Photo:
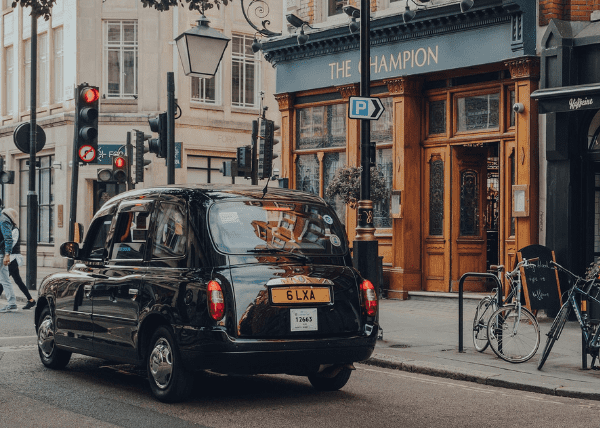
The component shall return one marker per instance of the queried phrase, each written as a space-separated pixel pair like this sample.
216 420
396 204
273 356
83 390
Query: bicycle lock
460 300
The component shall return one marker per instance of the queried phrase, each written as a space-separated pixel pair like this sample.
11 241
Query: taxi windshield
245 227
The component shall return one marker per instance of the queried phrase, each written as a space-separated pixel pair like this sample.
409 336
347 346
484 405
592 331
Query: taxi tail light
369 297
216 301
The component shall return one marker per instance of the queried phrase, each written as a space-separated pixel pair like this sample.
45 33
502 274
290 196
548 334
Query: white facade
126 50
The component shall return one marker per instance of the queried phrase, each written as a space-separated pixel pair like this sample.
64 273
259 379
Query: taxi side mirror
69 250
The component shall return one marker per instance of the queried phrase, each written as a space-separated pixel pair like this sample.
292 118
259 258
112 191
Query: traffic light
244 161
86 121
140 149
120 172
265 148
158 146
6 177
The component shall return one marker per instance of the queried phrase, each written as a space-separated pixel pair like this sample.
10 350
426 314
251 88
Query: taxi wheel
169 381
51 356
326 382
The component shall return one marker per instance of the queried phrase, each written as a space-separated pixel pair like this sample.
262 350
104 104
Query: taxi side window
131 233
97 236
170 239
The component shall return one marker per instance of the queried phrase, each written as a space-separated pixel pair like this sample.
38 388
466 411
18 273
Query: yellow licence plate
300 295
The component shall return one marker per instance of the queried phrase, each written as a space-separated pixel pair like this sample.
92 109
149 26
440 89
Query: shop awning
568 98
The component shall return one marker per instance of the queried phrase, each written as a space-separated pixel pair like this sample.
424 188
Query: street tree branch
44 7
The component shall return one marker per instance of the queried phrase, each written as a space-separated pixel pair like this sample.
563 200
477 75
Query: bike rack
460 300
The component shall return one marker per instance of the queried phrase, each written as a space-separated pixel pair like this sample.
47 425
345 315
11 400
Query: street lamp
201 49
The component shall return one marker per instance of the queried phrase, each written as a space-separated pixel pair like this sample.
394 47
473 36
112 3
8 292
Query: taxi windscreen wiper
279 250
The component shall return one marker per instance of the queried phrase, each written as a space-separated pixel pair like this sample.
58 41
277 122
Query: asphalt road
94 393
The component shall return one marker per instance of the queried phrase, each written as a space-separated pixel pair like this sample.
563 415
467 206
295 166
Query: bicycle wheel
555 330
514 336
484 310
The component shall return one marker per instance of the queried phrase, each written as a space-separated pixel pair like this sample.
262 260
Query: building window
478 112
436 197
322 127
437 117
205 169
58 89
27 77
382 135
512 112
245 72
10 80
207 91
44 177
120 58
43 70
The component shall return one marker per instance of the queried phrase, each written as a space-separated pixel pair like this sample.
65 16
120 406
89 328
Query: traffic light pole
74 175
32 200
254 173
170 128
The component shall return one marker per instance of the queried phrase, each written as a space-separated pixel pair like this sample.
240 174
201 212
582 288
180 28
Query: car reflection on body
226 278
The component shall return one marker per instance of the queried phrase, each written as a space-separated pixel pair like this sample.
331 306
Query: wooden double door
461 215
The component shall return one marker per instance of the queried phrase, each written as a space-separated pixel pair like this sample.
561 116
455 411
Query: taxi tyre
51 357
322 382
169 381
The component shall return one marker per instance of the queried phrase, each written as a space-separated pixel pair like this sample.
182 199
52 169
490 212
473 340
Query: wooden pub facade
457 143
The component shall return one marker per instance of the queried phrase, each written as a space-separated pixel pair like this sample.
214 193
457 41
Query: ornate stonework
404 86
285 101
347 91
524 68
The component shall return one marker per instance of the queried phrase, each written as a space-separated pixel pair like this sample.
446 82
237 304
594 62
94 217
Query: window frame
24 185
218 89
9 81
244 59
120 47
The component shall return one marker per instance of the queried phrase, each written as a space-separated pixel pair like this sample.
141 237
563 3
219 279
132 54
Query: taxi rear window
263 226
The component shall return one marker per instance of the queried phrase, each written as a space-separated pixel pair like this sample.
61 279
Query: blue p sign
361 108
365 108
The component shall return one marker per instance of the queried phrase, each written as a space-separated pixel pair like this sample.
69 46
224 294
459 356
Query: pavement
420 335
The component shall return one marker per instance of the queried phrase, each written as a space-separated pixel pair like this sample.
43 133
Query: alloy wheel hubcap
161 363
46 337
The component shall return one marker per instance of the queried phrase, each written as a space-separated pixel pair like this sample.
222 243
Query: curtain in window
307 173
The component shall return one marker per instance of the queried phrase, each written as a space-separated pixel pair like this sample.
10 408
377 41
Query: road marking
18 337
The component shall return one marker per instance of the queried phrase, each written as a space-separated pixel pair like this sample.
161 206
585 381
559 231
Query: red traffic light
90 95
120 162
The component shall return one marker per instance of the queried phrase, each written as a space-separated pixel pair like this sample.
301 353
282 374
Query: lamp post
365 245
32 200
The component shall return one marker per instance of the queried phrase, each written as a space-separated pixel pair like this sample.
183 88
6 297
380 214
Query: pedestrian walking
8 219
16 260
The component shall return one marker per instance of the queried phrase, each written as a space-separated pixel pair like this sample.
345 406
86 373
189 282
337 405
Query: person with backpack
16 260
8 220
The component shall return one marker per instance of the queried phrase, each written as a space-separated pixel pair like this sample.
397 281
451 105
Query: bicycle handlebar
524 262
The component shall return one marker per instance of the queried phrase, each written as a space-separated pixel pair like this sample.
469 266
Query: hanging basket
346 185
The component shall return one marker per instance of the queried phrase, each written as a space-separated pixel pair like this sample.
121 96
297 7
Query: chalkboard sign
541 287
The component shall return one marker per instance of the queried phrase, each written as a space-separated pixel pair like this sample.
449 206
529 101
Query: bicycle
513 331
590 333
483 312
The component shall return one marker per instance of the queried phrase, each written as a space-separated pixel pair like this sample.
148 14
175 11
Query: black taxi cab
220 277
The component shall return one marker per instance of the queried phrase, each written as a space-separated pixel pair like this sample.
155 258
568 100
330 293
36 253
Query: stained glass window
469 203
437 117
478 112
436 197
